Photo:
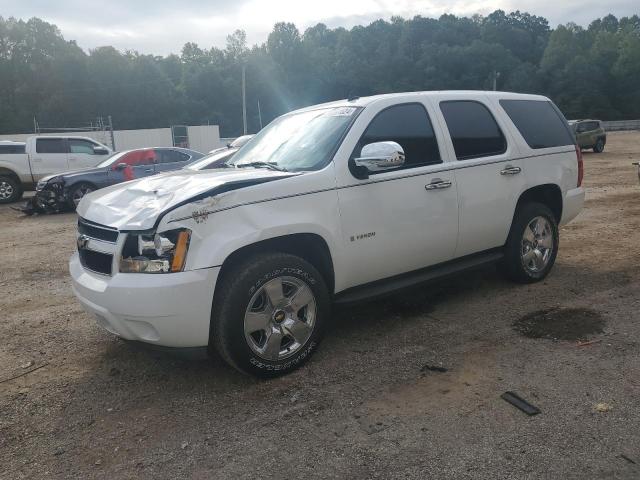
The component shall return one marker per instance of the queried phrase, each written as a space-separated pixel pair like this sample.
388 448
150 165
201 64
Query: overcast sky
163 26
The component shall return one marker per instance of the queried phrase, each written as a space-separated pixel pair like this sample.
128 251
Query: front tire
10 190
269 314
77 193
599 146
532 245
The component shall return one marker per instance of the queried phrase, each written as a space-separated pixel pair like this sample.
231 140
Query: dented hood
137 205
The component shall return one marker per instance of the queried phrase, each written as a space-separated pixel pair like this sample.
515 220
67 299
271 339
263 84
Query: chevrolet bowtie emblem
83 241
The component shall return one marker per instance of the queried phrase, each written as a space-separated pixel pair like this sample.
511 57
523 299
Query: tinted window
170 156
4 149
409 126
81 146
474 132
538 122
50 145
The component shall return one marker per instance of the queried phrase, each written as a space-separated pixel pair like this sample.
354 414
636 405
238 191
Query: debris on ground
623 456
27 365
433 368
520 403
602 407
584 344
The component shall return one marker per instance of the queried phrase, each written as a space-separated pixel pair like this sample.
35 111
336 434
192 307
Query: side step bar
393 284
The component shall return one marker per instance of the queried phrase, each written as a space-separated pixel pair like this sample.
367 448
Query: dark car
589 134
65 190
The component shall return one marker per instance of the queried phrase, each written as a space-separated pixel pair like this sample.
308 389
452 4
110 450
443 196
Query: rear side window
8 149
51 145
171 156
474 132
409 126
538 122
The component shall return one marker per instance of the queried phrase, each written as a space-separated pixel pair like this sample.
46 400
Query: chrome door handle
509 170
437 184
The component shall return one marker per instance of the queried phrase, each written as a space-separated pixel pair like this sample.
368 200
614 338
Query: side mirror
121 166
380 156
100 151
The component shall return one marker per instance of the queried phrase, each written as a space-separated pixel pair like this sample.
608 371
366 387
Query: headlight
164 252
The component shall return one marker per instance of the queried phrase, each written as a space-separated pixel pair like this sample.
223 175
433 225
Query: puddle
560 324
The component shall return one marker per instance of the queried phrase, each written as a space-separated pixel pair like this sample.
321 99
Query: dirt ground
369 404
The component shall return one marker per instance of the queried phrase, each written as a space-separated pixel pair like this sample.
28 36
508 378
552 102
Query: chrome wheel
79 193
537 245
6 190
280 318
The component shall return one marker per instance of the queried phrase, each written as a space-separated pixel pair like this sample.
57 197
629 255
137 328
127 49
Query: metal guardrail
616 125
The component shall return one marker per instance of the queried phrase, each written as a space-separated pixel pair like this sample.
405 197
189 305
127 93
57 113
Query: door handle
73 158
149 170
509 170
437 184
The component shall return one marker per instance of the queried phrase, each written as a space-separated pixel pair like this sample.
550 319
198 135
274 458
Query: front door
82 155
401 220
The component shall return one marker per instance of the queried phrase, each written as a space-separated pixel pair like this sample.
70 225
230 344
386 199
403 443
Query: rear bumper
171 310
573 203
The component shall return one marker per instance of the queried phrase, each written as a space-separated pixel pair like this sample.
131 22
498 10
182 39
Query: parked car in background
213 160
20 169
237 143
332 203
589 134
64 191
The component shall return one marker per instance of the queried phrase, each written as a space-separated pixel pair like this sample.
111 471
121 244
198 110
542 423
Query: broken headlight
164 252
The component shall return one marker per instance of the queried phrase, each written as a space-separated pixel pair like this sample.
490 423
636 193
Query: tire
77 192
531 248
253 335
10 190
599 146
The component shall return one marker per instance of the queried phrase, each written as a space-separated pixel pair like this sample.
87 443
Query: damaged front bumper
171 310
49 198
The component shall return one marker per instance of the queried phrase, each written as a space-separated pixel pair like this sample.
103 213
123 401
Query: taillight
580 165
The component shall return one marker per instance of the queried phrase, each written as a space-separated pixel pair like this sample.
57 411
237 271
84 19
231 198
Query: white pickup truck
23 164
333 203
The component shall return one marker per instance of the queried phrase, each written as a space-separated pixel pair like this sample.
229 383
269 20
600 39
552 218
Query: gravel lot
365 406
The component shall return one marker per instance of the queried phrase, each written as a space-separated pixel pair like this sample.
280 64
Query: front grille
97 231
96 261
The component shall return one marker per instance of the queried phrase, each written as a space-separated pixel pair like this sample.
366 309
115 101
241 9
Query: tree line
589 72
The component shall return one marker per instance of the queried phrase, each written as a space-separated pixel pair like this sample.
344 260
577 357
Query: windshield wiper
269 165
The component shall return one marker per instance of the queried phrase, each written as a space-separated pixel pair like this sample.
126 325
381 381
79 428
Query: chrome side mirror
380 156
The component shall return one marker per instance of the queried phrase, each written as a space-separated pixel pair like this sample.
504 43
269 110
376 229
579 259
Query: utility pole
113 140
244 98
259 114
495 80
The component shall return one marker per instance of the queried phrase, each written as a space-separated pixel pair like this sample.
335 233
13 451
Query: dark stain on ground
560 324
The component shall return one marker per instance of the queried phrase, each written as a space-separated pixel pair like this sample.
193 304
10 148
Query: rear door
50 157
81 154
489 179
169 159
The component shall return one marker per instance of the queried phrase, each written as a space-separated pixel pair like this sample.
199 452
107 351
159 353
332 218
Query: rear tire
10 190
599 146
269 314
532 245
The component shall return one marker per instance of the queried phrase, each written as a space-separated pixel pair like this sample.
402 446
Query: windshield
213 160
112 159
298 141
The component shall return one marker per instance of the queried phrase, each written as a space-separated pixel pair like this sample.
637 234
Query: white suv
332 203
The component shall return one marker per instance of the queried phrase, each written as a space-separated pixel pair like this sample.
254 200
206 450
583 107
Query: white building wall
202 138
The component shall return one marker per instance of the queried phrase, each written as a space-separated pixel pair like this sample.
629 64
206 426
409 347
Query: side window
77 145
538 122
50 145
410 127
474 132
9 149
170 156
